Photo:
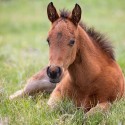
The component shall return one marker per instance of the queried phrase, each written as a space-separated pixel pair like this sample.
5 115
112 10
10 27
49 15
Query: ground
24 51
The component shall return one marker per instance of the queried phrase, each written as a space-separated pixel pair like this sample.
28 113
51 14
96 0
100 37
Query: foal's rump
112 80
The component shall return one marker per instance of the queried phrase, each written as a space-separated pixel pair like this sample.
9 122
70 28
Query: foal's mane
97 37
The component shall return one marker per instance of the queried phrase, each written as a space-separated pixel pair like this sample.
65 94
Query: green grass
24 51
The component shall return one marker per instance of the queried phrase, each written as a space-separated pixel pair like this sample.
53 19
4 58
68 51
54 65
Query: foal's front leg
55 97
37 83
59 92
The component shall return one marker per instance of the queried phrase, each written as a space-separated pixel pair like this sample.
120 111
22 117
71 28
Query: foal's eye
48 41
71 42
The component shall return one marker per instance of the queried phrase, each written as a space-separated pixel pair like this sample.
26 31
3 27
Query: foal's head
62 40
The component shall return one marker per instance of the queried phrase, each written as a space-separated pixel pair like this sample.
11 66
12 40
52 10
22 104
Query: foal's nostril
58 71
54 72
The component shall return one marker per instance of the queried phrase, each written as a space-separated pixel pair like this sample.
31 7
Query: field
24 51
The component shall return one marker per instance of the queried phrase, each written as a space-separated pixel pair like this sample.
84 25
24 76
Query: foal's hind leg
37 83
103 107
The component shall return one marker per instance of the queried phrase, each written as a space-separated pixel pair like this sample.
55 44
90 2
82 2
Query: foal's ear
76 14
52 13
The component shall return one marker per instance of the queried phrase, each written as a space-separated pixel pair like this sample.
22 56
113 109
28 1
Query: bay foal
81 62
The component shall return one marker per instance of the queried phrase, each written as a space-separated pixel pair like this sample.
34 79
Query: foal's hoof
52 104
93 111
16 94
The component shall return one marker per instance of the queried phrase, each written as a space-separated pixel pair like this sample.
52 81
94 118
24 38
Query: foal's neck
86 67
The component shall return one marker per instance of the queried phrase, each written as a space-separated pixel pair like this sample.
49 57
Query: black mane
99 38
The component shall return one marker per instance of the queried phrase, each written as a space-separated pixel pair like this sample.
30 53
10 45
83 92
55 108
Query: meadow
24 51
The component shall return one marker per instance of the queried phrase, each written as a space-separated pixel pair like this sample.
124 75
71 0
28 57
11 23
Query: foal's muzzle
54 73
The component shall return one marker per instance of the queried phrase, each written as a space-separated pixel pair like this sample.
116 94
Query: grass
24 51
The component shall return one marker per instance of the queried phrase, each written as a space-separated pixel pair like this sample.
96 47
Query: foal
81 62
